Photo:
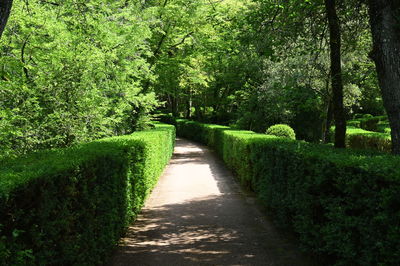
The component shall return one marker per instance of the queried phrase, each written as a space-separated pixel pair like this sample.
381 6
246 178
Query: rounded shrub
281 130
353 123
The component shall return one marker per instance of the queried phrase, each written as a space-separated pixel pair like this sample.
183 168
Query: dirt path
197 215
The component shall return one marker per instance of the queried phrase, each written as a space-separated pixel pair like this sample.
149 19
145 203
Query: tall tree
385 27
5 8
336 73
72 72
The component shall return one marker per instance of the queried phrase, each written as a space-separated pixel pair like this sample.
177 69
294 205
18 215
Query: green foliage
358 138
354 123
370 123
167 118
289 43
383 127
341 203
71 72
70 206
369 132
276 103
281 130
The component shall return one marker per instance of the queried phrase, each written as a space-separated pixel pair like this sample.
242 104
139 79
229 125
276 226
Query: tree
385 27
5 9
72 71
336 73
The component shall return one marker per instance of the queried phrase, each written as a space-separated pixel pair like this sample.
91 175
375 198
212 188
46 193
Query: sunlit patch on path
197 215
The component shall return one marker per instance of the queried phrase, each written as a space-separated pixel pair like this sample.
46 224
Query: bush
281 130
341 203
354 123
384 127
70 206
167 118
357 138
368 133
369 122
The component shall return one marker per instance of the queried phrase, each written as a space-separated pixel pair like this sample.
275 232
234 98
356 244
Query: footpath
198 215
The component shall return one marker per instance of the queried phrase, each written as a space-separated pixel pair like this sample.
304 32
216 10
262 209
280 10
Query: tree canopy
72 71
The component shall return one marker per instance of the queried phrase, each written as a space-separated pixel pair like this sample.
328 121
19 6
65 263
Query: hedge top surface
379 163
211 126
15 172
357 131
382 164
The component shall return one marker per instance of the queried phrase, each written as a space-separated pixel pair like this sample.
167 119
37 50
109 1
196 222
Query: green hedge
369 132
384 127
358 138
370 123
71 206
343 204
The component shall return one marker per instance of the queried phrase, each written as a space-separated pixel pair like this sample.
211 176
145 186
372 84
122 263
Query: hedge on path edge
71 206
342 204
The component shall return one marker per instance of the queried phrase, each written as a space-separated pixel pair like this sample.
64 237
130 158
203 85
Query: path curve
198 215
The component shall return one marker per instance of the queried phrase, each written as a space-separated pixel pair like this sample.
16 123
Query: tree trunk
5 9
336 73
326 134
385 27
189 108
174 106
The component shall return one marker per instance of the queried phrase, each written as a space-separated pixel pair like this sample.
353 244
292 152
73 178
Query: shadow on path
197 215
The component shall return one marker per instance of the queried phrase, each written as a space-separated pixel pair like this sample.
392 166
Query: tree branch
181 41
5 9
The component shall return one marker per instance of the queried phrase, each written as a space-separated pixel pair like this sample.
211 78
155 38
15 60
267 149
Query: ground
198 215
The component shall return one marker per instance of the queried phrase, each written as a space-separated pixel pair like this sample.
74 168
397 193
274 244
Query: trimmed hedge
341 203
369 132
71 206
358 138
369 122
384 127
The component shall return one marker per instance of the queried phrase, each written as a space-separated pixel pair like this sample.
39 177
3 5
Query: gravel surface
198 215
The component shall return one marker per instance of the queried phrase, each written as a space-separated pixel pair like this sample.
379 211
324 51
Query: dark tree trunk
5 8
174 106
385 27
326 134
336 73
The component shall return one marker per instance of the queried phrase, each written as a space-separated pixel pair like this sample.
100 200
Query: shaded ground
197 215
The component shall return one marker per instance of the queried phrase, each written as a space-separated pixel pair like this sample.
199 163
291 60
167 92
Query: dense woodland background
74 71
77 70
